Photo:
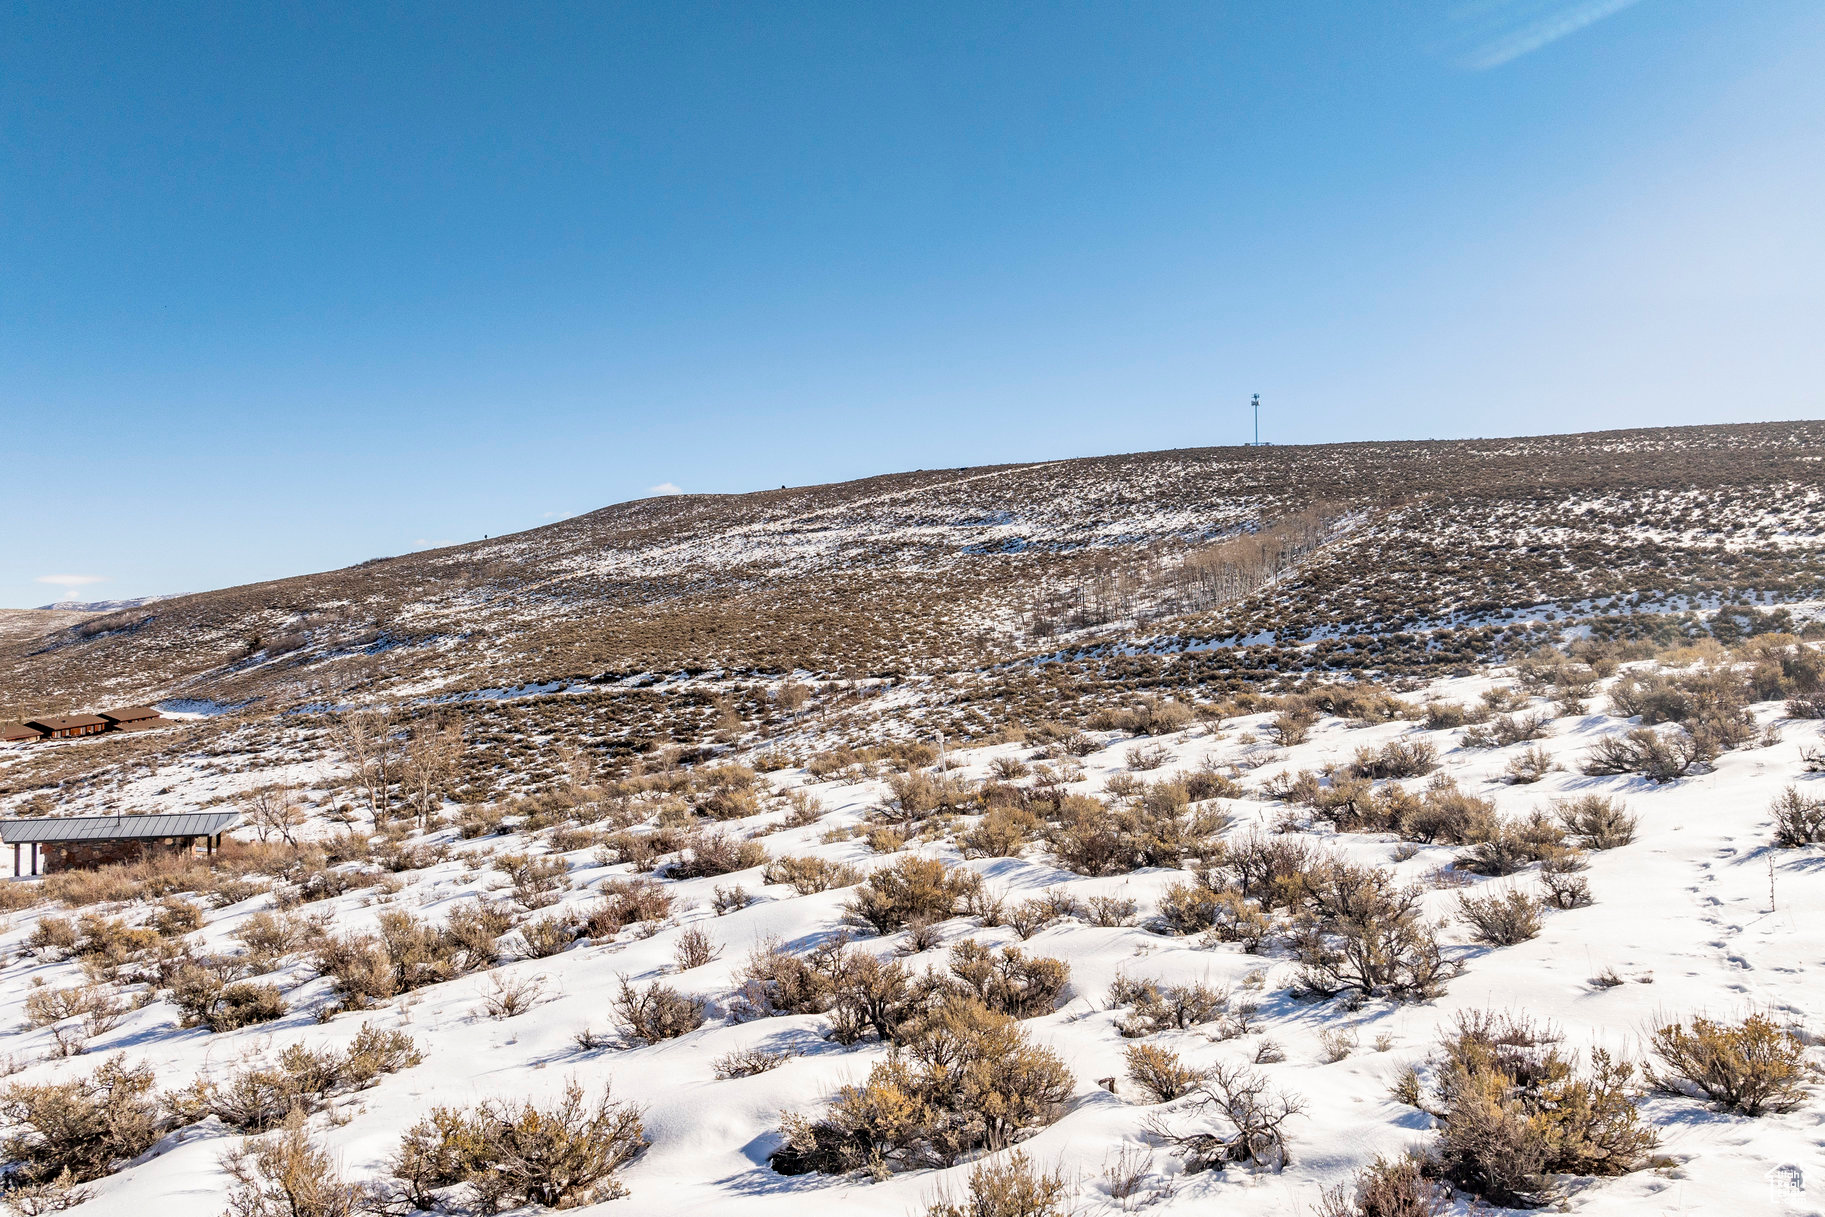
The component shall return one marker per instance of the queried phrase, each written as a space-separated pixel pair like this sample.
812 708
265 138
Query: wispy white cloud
1490 33
71 580
664 488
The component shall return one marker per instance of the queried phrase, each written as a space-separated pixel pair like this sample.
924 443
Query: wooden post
15 859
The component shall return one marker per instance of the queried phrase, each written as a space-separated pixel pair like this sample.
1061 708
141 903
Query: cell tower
1256 406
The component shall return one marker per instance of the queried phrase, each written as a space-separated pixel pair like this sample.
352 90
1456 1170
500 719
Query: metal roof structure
116 828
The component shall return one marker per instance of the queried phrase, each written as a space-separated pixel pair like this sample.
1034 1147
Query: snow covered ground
1699 914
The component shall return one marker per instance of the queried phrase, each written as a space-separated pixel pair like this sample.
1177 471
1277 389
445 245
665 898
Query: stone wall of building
87 855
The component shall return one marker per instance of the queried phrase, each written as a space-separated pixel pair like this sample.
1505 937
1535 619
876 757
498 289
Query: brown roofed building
69 726
19 733
134 718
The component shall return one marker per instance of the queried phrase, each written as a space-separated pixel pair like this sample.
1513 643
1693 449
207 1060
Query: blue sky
283 289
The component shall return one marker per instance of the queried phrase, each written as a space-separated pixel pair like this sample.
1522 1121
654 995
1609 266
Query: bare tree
365 739
274 809
579 768
791 696
428 767
1251 1117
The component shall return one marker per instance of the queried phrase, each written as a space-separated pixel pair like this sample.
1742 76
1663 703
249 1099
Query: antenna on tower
1256 406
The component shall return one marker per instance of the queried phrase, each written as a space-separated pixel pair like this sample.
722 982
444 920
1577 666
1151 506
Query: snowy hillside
1343 558
1181 860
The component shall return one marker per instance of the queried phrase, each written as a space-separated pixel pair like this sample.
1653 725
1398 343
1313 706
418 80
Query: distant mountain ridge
100 606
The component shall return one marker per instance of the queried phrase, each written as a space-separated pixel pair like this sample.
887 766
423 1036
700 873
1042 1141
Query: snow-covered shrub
174 917
81 1129
1659 756
1009 768
288 1176
399 856
1360 930
1401 758
1783 667
105 945
1596 822
1001 833
537 881
374 1052
729 899
1503 847
544 936
408 953
1710 703
1502 919
480 820
1506 729
1564 886
1163 1007
775 981
967 1079
1028 917
706 854
1007 1188
54 937
695 948
1159 1073
657 1012
912 797
909 888
1753 1067
1143 758
640 849
870 993
1361 702
1190 908
1442 814
241 1005
1148 716
262 1097
511 996
1271 870
624 902
809 874
1388 1189
1352 804
1009 981
730 792
1155 829
1108 911
1798 820
1208 782
1513 1111
1530 766
506 1155
747 1062
270 937
97 1003
1292 725
1443 715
